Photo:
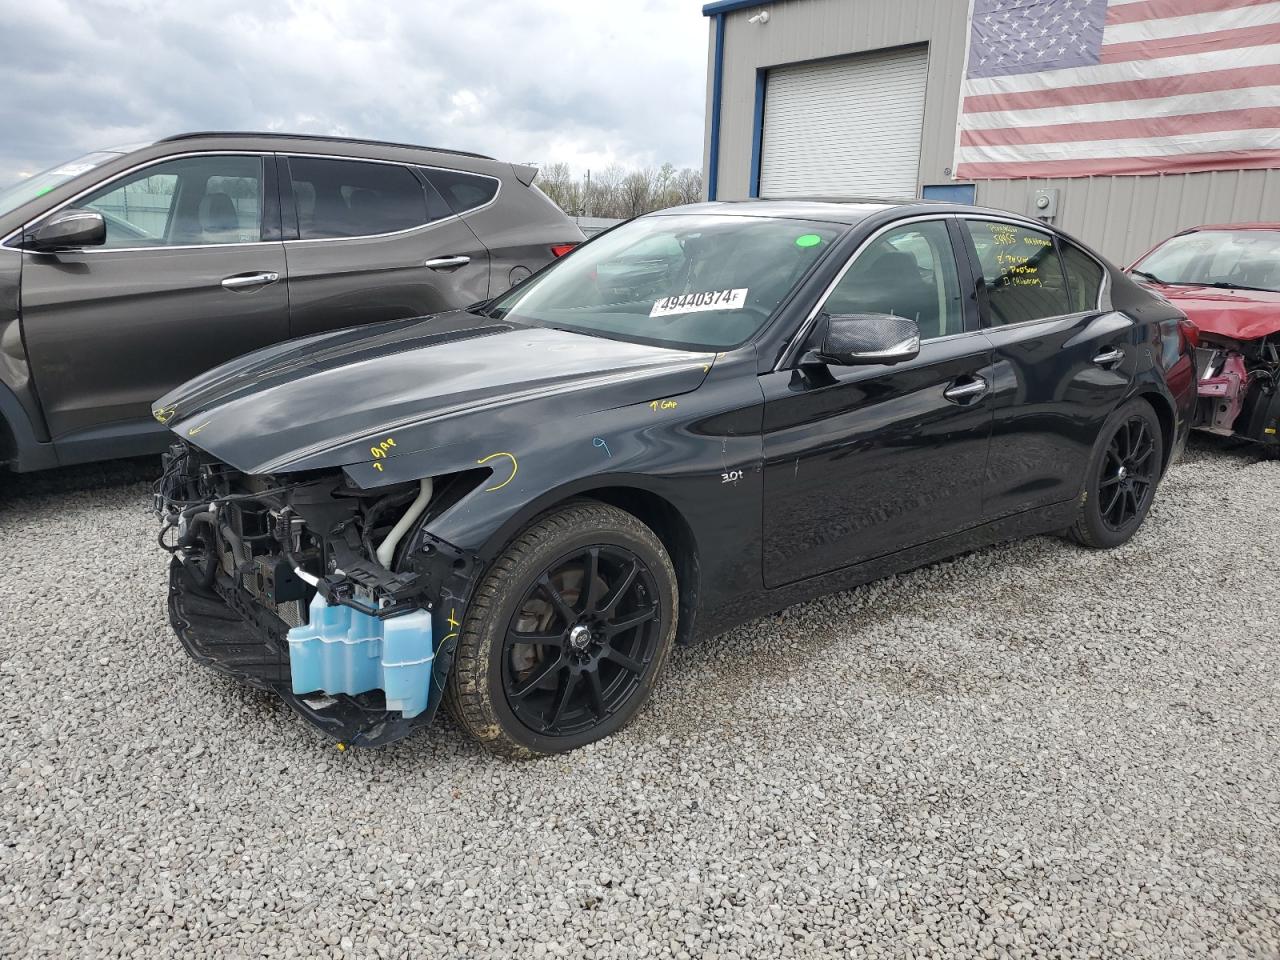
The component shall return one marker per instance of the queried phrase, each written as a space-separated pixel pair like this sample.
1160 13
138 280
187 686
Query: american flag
1077 88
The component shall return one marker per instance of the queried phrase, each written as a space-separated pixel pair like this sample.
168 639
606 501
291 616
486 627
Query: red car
1226 278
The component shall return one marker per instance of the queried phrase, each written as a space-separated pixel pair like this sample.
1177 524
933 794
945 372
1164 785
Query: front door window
189 201
909 271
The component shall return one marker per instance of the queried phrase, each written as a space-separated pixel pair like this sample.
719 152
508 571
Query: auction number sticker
695 302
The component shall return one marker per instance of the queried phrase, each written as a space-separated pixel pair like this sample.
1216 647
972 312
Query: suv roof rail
314 136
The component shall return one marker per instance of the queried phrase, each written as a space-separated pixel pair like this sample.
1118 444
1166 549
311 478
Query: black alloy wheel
1128 473
566 633
1121 479
579 642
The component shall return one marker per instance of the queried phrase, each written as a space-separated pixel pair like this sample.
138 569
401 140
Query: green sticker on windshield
808 240
41 193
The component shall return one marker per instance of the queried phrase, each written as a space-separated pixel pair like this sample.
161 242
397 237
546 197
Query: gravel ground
1030 751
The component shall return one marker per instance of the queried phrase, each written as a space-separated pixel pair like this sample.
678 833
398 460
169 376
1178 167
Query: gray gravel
1033 751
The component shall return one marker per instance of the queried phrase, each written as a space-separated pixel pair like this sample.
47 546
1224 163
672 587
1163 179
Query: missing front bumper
241 641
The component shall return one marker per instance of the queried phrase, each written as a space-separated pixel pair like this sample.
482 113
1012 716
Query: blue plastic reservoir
340 650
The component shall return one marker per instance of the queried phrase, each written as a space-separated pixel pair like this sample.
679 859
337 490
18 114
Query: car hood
1237 314
426 382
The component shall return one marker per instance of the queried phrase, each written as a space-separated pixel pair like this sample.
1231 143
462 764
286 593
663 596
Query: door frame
789 356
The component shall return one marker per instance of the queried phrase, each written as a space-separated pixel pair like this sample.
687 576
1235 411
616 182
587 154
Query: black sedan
700 416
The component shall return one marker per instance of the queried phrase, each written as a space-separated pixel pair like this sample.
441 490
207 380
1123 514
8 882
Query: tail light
560 249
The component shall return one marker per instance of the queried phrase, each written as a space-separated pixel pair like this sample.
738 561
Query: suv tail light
560 249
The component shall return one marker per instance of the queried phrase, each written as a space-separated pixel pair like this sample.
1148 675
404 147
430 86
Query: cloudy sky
589 82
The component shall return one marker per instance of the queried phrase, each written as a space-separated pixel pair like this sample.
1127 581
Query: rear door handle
447 263
246 280
1109 358
967 391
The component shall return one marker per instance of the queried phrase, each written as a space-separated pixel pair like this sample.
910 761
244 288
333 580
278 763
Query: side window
463 191
195 200
1021 271
1084 277
351 198
909 271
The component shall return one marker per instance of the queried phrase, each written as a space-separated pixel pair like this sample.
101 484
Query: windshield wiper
1150 276
1228 285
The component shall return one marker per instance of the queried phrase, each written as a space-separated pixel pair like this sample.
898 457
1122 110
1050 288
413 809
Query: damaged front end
331 596
1239 389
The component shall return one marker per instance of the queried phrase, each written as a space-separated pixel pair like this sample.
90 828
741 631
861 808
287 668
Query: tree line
617 192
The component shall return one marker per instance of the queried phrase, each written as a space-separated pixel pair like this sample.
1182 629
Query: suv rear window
463 191
350 198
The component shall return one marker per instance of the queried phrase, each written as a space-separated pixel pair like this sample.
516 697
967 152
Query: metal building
861 97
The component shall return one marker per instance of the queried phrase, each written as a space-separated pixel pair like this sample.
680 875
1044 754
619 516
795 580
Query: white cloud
582 81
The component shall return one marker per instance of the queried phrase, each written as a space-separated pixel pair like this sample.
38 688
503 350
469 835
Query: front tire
566 634
1121 478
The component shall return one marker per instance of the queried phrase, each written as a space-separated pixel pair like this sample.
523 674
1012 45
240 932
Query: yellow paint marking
194 430
662 404
452 614
165 414
515 466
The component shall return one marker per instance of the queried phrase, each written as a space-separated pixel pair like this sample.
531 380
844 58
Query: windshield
12 197
1234 259
694 281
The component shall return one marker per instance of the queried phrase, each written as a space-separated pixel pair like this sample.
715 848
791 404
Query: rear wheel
1122 476
566 634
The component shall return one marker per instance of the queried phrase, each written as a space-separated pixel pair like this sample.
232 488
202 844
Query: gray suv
127 272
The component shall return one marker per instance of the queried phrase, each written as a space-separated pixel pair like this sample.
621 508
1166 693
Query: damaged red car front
1226 278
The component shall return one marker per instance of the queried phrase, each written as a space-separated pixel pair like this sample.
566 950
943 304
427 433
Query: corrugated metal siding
845 126
1120 216
1125 216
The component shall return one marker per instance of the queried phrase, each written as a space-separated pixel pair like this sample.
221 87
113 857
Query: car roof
313 138
845 210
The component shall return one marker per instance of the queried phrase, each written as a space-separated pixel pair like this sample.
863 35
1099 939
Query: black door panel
874 459
1062 363
1055 384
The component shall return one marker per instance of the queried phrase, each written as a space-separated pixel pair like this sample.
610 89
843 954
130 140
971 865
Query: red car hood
1238 314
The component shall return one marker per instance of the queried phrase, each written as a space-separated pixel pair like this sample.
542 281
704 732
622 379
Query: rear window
1021 271
463 191
1084 277
350 198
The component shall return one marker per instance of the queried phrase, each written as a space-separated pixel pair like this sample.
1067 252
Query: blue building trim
757 132
721 7
717 82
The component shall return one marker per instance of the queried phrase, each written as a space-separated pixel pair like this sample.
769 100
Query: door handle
246 280
447 263
1109 358
963 392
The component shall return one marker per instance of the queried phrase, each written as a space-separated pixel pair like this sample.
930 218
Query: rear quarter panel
519 228
1168 365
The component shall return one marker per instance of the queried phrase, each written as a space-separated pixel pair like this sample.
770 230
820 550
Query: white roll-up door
848 127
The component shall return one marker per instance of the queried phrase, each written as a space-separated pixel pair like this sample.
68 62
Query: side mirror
67 229
859 338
